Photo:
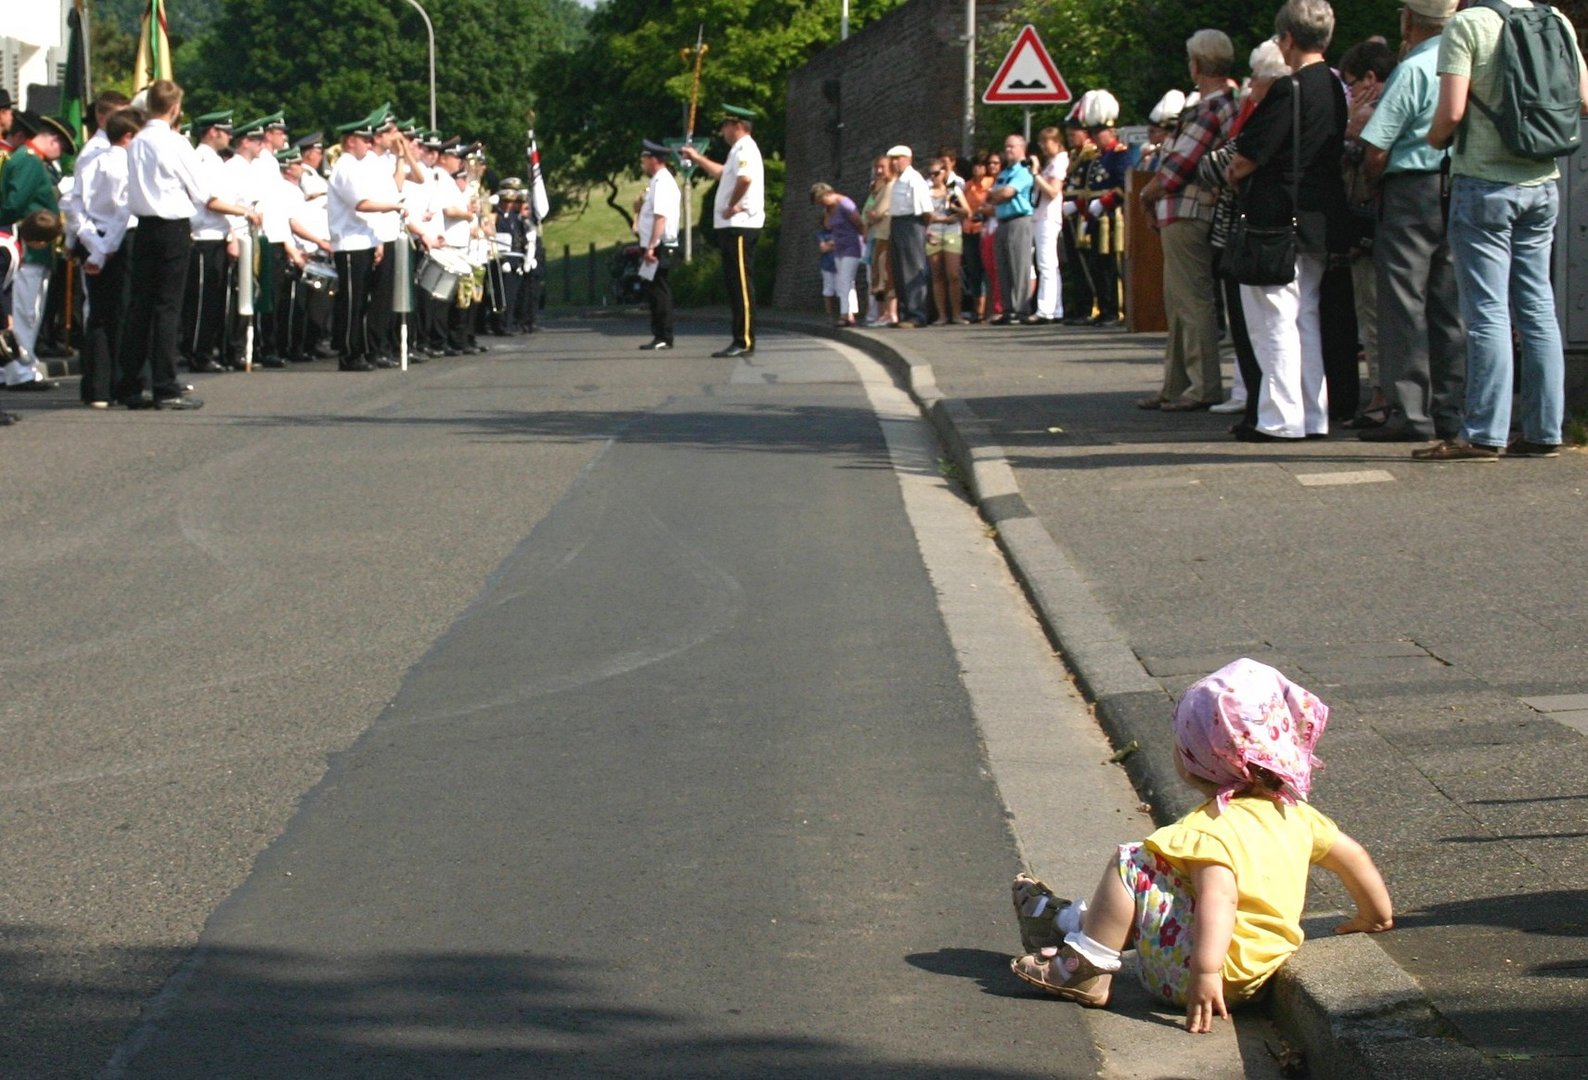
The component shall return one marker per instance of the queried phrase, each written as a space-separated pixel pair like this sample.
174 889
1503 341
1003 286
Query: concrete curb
1341 1000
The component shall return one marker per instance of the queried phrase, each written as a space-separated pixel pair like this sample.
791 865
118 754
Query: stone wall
900 80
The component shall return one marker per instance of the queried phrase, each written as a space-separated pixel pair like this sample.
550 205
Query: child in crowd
1213 902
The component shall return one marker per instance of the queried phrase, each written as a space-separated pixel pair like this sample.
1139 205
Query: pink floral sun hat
1246 714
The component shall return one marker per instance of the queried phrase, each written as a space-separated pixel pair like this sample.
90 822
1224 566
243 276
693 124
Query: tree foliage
330 61
628 81
1136 48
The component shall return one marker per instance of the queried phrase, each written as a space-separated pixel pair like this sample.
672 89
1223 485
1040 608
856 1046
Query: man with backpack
1512 89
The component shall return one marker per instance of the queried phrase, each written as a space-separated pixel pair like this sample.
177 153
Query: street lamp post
431 31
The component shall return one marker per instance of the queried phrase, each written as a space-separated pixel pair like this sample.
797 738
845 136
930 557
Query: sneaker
1524 448
1065 973
1456 450
1036 909
1231 406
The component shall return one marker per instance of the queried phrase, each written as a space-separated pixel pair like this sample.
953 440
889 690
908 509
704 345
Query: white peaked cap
1168 108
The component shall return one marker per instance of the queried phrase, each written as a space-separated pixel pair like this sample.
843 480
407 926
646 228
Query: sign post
1027 77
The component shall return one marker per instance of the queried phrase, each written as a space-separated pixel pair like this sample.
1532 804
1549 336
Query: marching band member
103 220
27 184
360 191
165 190
204 301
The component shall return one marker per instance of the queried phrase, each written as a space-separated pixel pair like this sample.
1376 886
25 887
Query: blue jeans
1500 238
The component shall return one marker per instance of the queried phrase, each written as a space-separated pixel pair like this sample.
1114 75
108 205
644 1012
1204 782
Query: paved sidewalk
1438 608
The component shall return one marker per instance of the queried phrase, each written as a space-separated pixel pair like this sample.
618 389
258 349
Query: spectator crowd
1394 212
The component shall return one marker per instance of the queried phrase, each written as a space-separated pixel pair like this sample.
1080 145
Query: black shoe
355 365
732 351
656 346
177 403
452 352
384 362
205 367
37 386
273 362
479 348
418 357
7 419
1527 448
1002 320
54 350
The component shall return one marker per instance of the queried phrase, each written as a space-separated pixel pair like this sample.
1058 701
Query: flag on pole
74 88
154 47
537 182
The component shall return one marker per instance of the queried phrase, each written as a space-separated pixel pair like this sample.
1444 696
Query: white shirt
247 186
72 198
912 195
744 159
350 185
455 230
386 225
207 224
163 180
1054 172
662 200
267 171
312 183
104 216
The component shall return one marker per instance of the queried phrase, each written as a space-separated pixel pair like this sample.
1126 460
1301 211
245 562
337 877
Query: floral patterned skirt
1165 920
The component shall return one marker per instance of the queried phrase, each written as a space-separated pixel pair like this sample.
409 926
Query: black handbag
1266 254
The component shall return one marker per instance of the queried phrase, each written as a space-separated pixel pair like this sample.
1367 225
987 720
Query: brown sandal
1036 909
1185 405
1066 974
1156 401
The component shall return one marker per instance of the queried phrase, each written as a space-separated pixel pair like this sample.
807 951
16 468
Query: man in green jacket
27 184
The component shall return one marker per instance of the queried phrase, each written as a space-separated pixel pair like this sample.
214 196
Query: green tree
628 80
330 61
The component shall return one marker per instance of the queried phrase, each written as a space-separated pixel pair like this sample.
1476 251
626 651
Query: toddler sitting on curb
1213 902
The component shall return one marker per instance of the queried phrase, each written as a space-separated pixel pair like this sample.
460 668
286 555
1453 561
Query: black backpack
1540 110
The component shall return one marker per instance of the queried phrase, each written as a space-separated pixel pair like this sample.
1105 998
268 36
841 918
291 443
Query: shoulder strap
1295 137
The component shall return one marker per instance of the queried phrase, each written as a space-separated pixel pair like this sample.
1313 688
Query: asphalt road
564 711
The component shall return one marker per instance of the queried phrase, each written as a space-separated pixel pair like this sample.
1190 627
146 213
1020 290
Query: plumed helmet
1099 109
1167 111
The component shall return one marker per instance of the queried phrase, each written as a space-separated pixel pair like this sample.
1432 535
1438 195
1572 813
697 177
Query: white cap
1168 109
900 151
1099 109
1192 100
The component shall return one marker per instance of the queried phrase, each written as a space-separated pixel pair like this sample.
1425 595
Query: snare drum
441 271
319 275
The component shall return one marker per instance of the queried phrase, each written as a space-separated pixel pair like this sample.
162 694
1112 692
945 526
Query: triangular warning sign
1027 75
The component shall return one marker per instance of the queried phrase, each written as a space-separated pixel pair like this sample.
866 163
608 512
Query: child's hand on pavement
1361 924
1205 1001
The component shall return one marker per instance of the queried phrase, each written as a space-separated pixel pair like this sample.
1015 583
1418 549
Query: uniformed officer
658 231
204 299
1099 200
360 190
510 241
738 214
27 184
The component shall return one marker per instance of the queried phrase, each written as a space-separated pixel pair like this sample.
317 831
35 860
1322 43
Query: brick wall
900 80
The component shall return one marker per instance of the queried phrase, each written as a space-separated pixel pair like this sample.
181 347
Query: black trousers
381 319
1337 306
105 296
158 266
659 295
204 301
738 273
349 334
1076 284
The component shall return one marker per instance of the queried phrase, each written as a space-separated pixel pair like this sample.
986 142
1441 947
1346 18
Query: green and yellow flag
154 47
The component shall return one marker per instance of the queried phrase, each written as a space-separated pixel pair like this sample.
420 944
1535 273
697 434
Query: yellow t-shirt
1269 847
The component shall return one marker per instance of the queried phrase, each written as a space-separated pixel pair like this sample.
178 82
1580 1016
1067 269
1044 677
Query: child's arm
1216 900
1351 863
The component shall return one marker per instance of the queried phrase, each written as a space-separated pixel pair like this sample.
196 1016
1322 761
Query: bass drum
320 275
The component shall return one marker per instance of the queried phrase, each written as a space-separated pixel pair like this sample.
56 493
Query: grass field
568 279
